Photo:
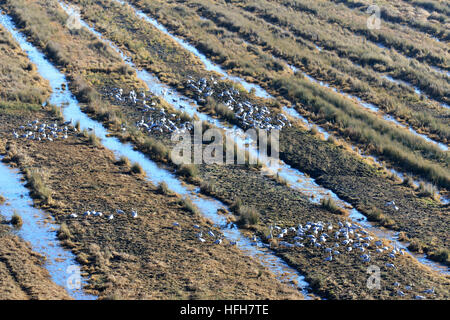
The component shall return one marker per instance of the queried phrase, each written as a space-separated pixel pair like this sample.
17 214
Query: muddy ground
142 258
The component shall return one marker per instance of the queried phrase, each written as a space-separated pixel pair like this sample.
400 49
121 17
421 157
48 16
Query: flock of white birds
248 114
43 131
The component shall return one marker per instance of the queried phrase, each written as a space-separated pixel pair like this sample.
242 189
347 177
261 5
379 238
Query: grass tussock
156 149
136 168
208 188
441 255
56 112
163 188
248 216
36 183
188 206
94 140
16 220
428 190
123 161
220 109
64 232
188 170
331 205
376 215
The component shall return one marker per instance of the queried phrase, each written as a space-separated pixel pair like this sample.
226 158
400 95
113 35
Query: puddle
155 174
297 179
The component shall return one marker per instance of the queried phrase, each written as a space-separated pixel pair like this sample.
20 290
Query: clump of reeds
137 169
16 220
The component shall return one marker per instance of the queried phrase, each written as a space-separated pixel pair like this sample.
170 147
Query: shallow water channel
36 232
296 179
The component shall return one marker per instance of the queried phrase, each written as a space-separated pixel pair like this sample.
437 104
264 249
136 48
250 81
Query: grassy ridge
18 77
400 12
349 45
408 42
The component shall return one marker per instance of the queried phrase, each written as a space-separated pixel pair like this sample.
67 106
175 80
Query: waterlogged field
258 149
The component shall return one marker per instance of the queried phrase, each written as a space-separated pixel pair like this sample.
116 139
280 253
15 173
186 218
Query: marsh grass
93 139
36 183
187 205
137 169
248 216
64 232
163 188
16 220
428 190
123 161
331 205
188 170
376 215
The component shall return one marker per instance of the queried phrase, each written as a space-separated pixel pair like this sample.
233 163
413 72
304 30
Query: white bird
176 224
218 241
134 214
210 233
111 217
329 258
118 211
73 215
